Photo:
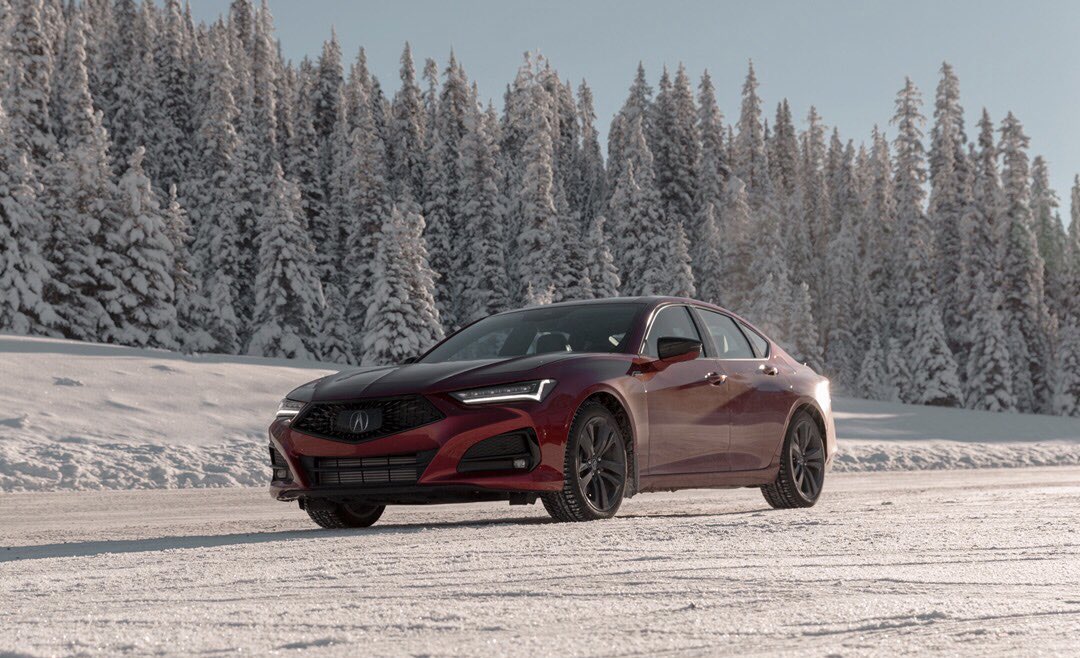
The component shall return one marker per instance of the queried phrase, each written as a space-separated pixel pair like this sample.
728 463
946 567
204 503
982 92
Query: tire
337 515
594 468
802 466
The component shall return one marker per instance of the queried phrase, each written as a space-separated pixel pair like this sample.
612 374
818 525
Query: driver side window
670 322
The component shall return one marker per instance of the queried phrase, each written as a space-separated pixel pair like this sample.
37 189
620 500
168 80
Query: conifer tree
408 131
948 166
876 263
483 286
130 102
801 328
1067 397
784 152
1050 235
841 350
713 170
335 335
989 370
23 268
637 106
141 299
807 265
677 149
28 87
1072 249
402 320
603 274
1022 272
370 205
736 254
289 296
539 251
214 205
441 187
1067 393
682 275
78 199
750 159
591 191
980 232
302 148
169 138
637 223
919 327
190 306
873 381
709 260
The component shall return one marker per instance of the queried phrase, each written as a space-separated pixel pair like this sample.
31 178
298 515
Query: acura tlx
578 405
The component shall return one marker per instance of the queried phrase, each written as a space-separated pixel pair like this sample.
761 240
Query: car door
755 392
688 425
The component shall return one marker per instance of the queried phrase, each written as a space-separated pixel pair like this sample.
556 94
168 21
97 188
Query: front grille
325 419
375 471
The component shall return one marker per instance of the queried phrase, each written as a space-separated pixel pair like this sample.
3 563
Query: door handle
768 369
716 378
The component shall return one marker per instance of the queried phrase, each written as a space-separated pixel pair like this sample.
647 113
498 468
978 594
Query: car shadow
113 546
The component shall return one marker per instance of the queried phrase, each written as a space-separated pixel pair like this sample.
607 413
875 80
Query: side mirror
411 359
678 349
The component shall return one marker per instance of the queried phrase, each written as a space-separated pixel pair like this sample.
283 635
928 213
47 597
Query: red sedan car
578 405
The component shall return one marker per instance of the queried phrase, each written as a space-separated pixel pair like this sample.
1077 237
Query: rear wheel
340 515
595 468
802 466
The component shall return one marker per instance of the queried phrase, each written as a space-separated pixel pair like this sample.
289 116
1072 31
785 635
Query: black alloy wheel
802 467
595 468
601 464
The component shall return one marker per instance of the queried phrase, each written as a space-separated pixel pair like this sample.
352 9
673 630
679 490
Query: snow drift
89 416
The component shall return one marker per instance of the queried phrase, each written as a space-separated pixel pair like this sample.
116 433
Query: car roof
650 300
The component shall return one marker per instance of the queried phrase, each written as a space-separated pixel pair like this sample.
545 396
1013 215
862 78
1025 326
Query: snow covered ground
87 416
976 562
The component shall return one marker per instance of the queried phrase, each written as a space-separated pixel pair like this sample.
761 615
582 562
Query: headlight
289 408
534 391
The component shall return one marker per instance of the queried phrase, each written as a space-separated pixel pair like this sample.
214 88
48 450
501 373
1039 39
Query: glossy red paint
692 422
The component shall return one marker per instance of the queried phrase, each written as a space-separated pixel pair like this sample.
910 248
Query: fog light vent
513 451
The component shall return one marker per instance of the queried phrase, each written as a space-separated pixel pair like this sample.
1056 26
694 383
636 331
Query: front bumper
439 449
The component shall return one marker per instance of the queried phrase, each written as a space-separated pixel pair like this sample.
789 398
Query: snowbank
88 416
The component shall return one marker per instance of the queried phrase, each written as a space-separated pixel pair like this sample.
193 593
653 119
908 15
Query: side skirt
725 480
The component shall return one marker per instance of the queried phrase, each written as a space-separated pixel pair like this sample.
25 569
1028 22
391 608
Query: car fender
830 431
629 393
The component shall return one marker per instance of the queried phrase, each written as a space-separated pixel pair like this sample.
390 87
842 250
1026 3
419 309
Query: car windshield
574 328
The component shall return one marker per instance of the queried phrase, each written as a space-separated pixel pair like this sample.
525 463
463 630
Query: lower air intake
366 471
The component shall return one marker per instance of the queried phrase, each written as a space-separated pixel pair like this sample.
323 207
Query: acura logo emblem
359 422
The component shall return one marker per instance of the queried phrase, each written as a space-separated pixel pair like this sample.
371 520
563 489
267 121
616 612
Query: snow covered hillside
89 416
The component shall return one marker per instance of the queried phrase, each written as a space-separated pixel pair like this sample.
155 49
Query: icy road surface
966 562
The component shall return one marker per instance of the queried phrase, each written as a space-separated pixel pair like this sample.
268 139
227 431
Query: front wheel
594 470
339 515
802 466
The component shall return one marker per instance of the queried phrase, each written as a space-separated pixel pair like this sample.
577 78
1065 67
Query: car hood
389 381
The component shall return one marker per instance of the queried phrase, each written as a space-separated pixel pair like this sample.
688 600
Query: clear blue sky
846 57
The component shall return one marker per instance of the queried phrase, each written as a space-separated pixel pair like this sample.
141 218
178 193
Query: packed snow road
970 562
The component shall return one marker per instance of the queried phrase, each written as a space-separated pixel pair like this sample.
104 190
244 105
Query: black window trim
742 330
694 319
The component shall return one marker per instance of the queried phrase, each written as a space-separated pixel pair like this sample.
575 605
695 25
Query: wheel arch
610 401
811 407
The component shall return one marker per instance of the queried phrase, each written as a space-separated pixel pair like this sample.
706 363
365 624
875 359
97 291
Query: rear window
757 341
